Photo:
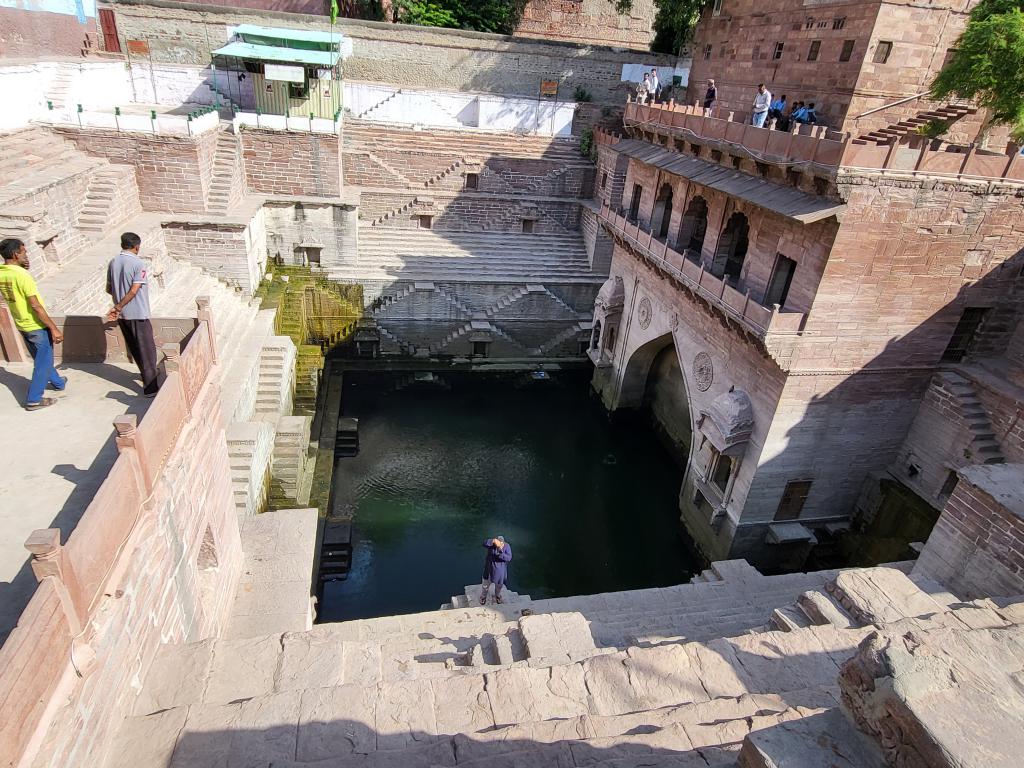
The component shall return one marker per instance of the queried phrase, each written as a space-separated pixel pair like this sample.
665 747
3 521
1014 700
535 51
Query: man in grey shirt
128 285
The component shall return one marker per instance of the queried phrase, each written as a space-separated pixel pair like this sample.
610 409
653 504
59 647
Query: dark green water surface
587 505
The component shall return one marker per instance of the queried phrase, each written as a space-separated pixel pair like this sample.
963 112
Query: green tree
987 65
499 16
674 22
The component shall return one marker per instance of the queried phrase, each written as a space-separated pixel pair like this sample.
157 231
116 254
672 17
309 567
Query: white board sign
284 72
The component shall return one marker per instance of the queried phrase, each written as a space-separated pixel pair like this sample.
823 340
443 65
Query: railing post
127 440
205 314
924 153
972 150
891 152
172 364
48 560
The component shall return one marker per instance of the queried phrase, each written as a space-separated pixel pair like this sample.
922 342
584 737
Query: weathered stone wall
172 579
977 547
294 224
589 22
31 30
743 40
469 211
173 173
291 163
229 252
424 57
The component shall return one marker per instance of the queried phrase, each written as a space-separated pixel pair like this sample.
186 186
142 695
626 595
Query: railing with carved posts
739 306
74 577
819 146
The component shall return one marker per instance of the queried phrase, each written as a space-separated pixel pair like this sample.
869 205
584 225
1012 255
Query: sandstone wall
469 211
173 173
977 547
31 29
184 33
154 559
303 223
291 163
737 49
230 252
589 22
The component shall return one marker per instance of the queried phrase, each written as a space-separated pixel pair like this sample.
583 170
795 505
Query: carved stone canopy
612 297
728 422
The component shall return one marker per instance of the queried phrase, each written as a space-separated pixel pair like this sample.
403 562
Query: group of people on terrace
128 286
775 113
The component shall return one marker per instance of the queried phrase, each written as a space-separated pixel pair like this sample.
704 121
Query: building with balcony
866 65
781 301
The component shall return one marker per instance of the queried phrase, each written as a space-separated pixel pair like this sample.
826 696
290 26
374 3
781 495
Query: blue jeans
43 372
758 119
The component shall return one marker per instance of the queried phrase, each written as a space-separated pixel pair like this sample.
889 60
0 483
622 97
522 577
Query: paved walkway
53 462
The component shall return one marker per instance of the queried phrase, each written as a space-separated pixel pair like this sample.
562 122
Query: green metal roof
277 53
280 33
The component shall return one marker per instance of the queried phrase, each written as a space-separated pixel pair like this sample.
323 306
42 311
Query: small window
312 255
528 226
882 51
777 53
913 470
582 347
604 179
716 9
754 54
949 486
793 498
809 24
480 348
426 221
815 49
716 155
634 203
762 169
297 90
707 51
702 504
472 181
963 334
839 23
721 471
736 160
847 52
781 279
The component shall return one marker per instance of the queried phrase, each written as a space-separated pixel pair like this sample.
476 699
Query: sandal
44 403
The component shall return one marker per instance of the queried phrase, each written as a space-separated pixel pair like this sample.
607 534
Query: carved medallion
703 371
644 312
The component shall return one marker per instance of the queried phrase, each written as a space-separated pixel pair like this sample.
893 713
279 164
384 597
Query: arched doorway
732 249
662 212
693 228
653 379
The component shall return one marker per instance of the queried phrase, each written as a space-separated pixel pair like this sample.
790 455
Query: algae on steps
315 313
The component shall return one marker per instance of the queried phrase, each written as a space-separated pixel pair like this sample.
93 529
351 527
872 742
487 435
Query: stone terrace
371 693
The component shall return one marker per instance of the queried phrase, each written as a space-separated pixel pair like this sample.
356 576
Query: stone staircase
59 89
437 177
476 325
34 158
367 114
225 188
470 598
499 686
985 447
390 253
111 198
949 113
396 212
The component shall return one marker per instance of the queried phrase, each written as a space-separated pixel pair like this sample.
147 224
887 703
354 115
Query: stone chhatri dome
612 295
728 421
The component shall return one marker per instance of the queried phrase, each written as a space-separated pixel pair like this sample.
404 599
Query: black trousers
138 335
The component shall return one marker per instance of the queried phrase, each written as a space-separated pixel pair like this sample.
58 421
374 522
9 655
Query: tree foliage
987 65
500 16
674 22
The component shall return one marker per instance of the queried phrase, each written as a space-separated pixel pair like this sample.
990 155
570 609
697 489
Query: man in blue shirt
128 286
778 108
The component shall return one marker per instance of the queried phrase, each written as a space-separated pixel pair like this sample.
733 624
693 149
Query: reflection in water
588 506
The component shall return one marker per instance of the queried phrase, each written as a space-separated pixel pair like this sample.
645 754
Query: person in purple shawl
499 553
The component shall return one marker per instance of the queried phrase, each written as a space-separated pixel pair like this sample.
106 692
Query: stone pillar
127 441
205 314
48 560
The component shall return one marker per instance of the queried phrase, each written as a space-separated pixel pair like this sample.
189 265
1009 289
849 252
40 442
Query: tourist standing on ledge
655 86
30 317
499 553
762 101
710 98
128 285
643 88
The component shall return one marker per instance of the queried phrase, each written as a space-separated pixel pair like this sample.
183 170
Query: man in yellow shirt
30 317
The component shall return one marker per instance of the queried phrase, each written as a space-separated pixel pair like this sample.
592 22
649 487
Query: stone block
334 722
176 678
823 740
243 669
882 595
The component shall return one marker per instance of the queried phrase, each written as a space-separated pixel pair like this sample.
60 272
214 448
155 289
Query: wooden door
108 25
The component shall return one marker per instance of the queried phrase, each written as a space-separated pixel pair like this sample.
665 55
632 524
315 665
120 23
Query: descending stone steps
224 187
948 113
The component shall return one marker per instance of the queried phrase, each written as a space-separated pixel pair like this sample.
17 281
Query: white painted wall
282 123
171 125
26 88
445 109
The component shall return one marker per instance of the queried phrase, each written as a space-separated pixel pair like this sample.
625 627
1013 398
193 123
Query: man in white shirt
655 86
762 101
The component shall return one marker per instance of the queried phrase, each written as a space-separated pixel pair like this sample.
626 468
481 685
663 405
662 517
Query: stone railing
161 123
124 580
741 307
820 146
284 123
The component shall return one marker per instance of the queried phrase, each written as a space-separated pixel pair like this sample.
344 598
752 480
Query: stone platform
364 694
54 460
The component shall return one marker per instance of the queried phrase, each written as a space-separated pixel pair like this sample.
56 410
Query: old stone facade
865 65
589 22
828 299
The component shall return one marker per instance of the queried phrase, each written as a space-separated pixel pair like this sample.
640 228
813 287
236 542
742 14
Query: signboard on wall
138 47
285 72
548 87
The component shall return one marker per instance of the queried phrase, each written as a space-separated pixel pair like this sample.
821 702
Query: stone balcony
737 306
808 147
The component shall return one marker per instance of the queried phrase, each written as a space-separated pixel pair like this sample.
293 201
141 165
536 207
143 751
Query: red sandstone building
782 302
